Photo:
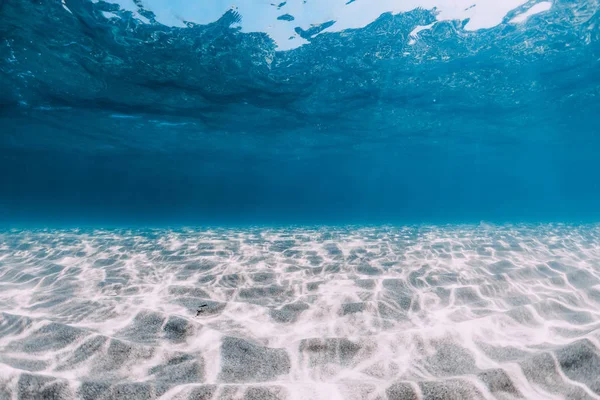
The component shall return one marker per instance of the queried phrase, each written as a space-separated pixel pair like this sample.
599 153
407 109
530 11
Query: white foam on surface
261 16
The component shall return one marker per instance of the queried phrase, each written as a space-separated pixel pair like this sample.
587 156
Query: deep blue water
113 121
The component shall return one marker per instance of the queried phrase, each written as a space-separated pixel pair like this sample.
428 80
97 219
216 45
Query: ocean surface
299 200
155 112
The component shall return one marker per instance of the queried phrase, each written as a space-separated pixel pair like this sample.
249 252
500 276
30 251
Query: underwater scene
299 200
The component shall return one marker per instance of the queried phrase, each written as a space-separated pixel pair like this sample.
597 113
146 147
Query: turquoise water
332 200
111 117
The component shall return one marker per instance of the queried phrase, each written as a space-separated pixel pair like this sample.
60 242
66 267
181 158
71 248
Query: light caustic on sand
328 313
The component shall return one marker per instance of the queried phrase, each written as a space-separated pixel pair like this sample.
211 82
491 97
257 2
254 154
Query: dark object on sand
199 311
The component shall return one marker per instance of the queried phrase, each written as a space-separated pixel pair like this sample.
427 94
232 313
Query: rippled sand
453 312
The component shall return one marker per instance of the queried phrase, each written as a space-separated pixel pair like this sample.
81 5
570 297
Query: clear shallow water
155 113
455 311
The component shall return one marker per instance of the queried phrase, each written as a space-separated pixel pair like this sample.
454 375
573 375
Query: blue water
305 200
119 122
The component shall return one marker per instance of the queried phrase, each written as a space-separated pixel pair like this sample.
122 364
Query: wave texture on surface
388 113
